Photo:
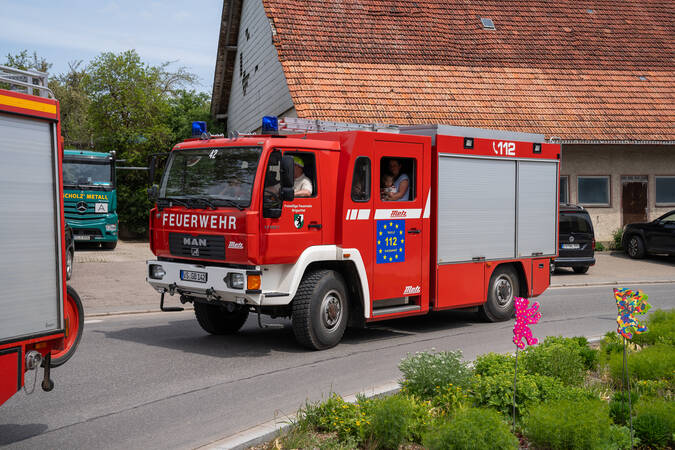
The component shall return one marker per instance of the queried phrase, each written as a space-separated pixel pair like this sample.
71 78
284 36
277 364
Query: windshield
220 175
81 174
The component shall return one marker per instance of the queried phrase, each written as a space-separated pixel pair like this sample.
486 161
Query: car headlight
111 227
157 272
235 280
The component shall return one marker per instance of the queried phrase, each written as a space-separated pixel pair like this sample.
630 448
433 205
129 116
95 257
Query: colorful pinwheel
630 303
525 316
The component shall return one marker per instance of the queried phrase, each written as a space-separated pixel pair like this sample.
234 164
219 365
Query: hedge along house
598 75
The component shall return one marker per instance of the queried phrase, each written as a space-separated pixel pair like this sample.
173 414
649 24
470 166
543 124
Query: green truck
90 196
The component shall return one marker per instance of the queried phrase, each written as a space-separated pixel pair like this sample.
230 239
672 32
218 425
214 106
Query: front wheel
110 245
73 316
217 319
69 263
580 269
320 310
504 287
636 247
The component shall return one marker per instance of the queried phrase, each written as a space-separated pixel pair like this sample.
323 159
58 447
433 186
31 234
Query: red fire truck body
40 318
479 227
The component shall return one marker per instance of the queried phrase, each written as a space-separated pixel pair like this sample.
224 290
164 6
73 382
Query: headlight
235 280
111 227
157 272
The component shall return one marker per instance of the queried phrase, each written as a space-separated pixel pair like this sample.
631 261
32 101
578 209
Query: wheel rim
503 290
331 310
69 264
633 246
71 317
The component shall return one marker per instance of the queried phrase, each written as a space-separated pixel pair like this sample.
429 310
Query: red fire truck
40 318
332 228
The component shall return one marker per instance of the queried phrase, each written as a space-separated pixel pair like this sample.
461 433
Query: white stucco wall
259 86
615 161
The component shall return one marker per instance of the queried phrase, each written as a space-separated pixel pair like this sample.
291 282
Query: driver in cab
302 186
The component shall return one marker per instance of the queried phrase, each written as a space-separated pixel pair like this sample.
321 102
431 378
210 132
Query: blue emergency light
270 125
198 127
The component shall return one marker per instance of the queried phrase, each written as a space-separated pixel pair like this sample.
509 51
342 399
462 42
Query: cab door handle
314 225
414 231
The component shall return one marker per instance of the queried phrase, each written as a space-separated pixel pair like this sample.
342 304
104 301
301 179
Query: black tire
580 269
216 319
635 247
70 257
110 245
503 288
320 310
71 342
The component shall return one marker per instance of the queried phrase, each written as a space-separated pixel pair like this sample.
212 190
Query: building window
564 189
665 191
593 190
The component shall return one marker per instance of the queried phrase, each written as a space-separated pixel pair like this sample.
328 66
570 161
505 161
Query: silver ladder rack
290 125
27 82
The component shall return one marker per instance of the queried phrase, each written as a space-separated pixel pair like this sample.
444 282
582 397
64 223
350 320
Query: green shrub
619 409
617 236
655 388
579 344
494 364
555 359
392 422
659 406
425 372
660 329
474 429
449 398
619 438
599 247
568 424
333 415
496 392
653 430
611 343
553 389
655 362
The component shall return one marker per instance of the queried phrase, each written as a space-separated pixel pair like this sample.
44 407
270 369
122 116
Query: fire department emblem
299 220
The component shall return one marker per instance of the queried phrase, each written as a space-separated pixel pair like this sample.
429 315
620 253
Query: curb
269 430
609 283
128 313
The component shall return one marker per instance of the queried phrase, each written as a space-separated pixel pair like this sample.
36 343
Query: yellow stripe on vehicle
27 104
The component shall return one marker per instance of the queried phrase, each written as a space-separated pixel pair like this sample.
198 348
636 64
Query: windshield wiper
234 203
205 201
176 201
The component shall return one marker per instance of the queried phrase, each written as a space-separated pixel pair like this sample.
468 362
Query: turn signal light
593 244
253 282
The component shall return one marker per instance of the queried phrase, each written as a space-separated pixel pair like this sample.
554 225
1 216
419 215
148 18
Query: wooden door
634 199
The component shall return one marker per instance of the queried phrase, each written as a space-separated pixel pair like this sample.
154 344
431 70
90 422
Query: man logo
194 242
194 251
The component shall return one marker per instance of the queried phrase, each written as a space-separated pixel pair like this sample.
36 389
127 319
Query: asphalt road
158 381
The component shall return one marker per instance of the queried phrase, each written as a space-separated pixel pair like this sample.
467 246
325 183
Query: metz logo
395 213
194 242
236 245
412 290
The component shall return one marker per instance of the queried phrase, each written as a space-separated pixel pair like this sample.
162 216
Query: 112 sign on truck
475 227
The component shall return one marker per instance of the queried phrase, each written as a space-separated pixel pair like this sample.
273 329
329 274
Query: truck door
299 226
397 227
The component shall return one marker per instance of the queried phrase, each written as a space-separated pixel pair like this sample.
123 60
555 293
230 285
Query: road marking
92 321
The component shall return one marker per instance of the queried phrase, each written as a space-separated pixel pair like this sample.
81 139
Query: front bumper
214 289
575 261
94 229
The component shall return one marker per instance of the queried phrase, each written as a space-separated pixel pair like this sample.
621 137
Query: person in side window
401 183
302 186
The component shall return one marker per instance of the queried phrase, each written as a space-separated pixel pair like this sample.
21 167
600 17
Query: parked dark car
70 252
657 236
576 241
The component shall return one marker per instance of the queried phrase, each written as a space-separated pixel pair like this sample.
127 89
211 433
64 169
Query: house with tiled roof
598 76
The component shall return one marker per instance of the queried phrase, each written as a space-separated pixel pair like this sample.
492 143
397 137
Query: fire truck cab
332 228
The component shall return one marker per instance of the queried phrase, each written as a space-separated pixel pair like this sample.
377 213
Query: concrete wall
259 86
615 161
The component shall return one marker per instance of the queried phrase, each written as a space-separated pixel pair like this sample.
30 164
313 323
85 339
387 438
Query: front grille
197 246
87 232
71 211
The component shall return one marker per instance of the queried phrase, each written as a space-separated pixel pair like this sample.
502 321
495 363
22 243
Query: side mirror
153 192
151 170
287 172
287 194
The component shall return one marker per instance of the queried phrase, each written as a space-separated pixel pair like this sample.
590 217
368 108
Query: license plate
189 275
570 246
82 237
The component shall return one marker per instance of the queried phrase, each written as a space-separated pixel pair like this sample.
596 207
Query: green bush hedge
472 429
395 420
424 373
566 424
660 329
655 362
554 359
494 364
655 421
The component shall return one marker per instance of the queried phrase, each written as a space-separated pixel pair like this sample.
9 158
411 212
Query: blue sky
69 30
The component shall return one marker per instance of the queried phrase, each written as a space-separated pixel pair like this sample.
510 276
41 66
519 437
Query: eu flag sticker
390 238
